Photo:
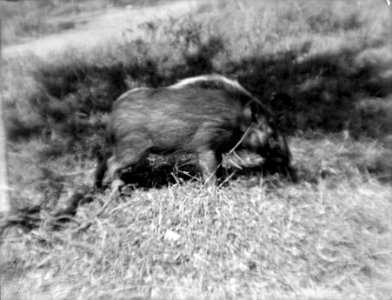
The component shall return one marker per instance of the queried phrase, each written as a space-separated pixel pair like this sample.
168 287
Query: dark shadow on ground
163 173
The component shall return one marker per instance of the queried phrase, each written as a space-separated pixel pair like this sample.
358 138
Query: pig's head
263 137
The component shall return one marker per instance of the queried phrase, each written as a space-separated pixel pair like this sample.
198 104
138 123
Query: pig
205 115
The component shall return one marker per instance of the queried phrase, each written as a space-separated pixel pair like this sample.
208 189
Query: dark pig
205 115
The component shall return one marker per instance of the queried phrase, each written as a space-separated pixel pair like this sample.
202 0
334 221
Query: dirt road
112 26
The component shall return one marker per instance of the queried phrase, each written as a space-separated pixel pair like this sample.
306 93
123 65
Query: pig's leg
127 156
209 162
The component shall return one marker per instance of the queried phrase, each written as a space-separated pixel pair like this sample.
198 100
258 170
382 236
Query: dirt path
112 26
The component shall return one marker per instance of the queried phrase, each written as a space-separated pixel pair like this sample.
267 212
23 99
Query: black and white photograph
195 149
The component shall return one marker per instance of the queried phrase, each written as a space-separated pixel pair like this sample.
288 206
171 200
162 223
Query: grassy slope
328 235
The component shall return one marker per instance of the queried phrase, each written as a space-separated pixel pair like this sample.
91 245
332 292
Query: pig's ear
254 111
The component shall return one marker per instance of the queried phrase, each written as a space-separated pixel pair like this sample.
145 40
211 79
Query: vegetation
23 20
325 235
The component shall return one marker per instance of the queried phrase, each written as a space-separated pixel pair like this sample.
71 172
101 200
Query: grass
326 235
319 238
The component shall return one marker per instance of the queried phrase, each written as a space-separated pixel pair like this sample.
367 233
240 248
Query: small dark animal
205 115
